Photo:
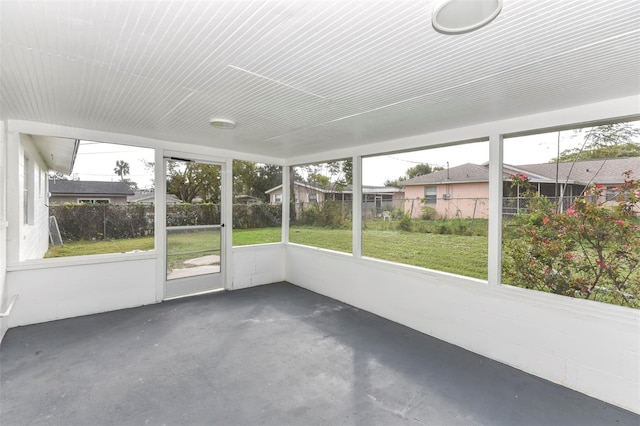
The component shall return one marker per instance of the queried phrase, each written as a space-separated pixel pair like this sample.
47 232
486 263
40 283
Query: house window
259 220
94 200
28 192
430 195
326 223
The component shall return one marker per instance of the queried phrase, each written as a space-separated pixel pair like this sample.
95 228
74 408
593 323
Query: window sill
58 262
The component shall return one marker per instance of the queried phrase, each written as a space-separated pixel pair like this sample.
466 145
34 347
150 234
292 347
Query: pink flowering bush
589 251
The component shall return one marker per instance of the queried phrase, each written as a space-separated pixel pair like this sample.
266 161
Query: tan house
463 191
375 199
303 193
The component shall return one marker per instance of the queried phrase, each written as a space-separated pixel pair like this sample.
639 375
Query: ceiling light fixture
461 16
222 123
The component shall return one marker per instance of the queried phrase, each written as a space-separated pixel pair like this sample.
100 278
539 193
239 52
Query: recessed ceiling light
222 123
461 16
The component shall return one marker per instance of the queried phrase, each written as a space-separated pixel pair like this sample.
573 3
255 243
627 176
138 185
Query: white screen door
194 227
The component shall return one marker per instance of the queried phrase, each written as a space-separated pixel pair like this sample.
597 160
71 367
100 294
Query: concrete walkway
197 266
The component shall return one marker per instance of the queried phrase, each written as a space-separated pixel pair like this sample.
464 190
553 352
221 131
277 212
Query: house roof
305 77
348 189
592 171
88 187
463 173
608 171
150 196
59 154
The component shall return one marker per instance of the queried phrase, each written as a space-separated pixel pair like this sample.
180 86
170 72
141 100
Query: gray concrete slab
270 355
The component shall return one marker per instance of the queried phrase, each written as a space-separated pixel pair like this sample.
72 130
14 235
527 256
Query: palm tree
121 169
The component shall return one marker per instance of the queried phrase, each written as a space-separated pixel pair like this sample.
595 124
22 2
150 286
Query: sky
96 161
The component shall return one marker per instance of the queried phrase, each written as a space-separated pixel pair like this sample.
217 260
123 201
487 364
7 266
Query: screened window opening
428 208
571 213
321 205
107 203
257 203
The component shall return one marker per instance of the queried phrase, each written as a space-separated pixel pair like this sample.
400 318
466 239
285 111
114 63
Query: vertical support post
356 208
227 220
286 202
160 222
495 209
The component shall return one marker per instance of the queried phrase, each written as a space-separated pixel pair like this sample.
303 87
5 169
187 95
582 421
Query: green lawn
464 255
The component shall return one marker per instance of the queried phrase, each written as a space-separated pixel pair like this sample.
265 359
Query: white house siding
34 237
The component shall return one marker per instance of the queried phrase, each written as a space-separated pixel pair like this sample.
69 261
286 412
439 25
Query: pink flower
619 222
545 220
533 232
570 211
569 256
533 262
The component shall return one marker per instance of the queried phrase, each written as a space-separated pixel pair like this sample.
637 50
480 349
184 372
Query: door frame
161 215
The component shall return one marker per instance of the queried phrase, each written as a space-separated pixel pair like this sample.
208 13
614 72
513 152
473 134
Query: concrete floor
270 355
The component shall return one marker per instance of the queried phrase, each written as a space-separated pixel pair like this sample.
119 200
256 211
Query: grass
84 248
458 254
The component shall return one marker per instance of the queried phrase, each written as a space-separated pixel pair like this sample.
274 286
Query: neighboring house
247 199
379 196
148 198
463 191
83 191
38 155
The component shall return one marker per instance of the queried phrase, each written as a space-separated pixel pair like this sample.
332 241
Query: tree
190 180
121 169
415 171
333 176
607 141
54 175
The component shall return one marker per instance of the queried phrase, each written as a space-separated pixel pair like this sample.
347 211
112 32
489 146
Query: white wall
33 237
257 265
58 288
4 322
53 289
587 346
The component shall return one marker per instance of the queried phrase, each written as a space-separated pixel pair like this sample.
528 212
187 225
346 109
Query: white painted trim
46 129
227 219
286 202
627 107
494 248
160 222
94 259
356 208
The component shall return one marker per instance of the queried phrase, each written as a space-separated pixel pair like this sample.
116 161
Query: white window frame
431 198
94 201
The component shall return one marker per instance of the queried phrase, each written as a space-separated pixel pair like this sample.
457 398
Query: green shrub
404 223
589 251
428 213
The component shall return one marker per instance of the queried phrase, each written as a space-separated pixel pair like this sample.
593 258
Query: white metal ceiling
301 77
